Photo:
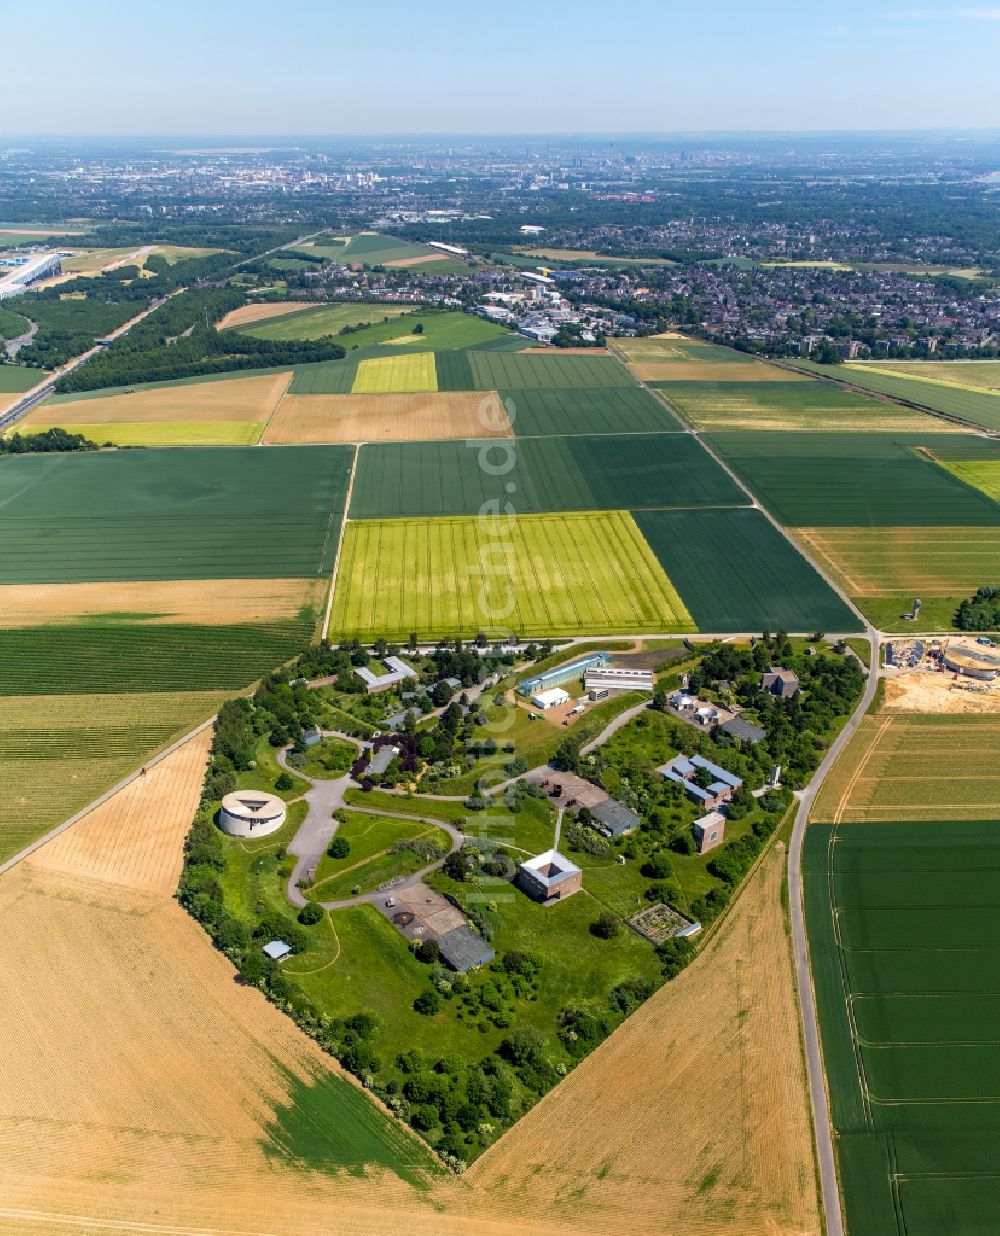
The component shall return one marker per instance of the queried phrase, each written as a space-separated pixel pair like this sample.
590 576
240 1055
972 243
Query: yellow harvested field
246 315
236 399
213 601
420 259
940 693
915 766
415 417
136 838
139 1083
689 370
669 1153
868 562
59 752
391 374
966 375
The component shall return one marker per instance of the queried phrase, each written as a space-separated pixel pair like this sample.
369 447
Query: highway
23 403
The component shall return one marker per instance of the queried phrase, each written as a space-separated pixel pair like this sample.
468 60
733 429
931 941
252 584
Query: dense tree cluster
980 612
45 440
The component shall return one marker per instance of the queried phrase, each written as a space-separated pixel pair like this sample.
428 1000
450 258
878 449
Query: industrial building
251 813
563 673
614 819
971 660
554 697
614 678
25 269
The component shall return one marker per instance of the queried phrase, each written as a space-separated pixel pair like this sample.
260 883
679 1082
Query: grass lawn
330 757
17 378
936 613
256 869
267 771
362 872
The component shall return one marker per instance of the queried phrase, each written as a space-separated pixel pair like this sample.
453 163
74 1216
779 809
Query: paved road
316 832
319 828
800 951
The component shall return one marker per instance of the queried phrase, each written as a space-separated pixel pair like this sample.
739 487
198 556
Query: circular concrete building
973 660
251 813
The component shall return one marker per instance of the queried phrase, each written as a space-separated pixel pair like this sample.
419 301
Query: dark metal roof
616 818
738 728
462 948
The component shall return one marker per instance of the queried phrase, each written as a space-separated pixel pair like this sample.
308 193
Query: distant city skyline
448 68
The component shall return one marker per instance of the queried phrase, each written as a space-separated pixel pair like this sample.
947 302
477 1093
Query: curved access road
822 1125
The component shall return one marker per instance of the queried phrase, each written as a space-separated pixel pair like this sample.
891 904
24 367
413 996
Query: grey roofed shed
462 949
743 730
616 819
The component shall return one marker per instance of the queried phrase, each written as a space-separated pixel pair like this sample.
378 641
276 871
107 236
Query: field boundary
340 543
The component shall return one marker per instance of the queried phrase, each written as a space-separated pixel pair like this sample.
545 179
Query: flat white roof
554 695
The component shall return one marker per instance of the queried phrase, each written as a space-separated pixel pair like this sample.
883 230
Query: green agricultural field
976 407
904 923
197 513
544 575
454 371
517 371
783 406
325 378
610 409
967 375
390 374
736 572
844 480
539 474
321 320
59 752
17 378
123 657
674 347
373 249
169 433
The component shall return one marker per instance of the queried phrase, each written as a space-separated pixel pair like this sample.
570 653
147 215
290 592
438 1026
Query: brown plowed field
239 399
417 417
692 1118
419 259
212 601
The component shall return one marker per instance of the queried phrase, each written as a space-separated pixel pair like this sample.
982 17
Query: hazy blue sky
302 66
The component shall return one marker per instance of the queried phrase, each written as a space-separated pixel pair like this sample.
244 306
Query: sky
308 67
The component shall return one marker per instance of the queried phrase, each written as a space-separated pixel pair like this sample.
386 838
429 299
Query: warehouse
614 678
563 673
554 697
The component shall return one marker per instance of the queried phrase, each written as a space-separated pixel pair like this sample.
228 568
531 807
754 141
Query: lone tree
606 926
340 847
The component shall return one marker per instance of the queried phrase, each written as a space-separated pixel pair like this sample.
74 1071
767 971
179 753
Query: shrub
284 781
607 925
339 847
428 1002
311 913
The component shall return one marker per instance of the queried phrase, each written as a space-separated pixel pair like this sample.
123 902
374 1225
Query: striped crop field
915 767
966 375
579 573
58 752
197 513
603 472
860 479
979 407
389 374
609 409
925 561
123 656
783 406
736 572
518 371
